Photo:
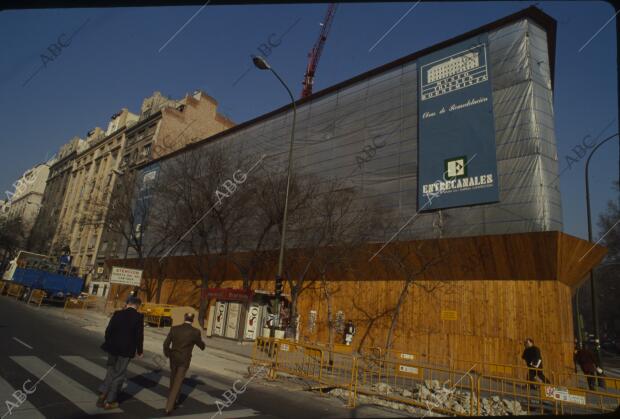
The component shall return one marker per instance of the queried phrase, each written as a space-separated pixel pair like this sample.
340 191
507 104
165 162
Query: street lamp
592 285
262 64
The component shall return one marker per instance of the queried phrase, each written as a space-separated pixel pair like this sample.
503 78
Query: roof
548 23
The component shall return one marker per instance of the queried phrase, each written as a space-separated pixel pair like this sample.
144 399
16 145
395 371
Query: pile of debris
436 398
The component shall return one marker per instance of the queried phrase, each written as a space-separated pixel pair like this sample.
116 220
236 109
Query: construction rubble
436 400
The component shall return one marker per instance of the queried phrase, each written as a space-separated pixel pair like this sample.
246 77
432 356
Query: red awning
230 294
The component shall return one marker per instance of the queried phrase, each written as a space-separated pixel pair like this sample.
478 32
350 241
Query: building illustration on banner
458 71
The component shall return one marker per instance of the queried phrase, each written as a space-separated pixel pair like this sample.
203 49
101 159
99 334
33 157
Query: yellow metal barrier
574 401
15 290
539 398
341 372
592 382
36 297
520 372
83 303
488 368
263 353
492 390
297 359
437 389
90 302
73 303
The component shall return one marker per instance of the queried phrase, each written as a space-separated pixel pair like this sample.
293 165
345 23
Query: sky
119 56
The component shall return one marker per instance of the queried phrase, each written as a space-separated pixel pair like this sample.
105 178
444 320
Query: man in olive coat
178 347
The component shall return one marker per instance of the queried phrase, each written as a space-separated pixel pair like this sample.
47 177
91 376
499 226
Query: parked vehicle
36 271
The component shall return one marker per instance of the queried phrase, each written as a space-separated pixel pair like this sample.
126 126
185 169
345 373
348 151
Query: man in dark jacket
124 338
178 347
587 362
533 359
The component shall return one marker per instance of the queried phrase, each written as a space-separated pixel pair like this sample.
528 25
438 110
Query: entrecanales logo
455 168
458 185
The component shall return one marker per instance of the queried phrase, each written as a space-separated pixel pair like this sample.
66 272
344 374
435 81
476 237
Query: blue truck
53 284
36 271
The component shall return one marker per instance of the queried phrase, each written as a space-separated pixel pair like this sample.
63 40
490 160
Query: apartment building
84 178
167 125
89 190
163 126
43 238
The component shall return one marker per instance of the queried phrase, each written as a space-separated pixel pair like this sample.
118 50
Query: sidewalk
221 356
215 342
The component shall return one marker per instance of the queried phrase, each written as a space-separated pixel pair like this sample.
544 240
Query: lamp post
262 64
592 284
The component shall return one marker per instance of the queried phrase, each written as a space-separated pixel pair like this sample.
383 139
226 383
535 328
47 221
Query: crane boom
315 53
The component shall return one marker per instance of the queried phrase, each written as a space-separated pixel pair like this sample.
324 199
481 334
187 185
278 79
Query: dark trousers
114 377
595 379
536 375
177 375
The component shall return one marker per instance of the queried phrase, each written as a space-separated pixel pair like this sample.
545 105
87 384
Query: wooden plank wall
493 319
503 288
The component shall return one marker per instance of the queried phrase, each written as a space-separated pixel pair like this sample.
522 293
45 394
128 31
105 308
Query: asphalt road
69 364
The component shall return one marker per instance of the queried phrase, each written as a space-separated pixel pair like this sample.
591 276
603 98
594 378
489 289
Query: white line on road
26 410
22 342
188 390
193 393
68 388
145 395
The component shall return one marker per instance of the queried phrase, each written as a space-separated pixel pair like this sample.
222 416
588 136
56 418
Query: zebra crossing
72 383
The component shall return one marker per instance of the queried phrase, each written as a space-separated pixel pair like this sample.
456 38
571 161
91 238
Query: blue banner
457 164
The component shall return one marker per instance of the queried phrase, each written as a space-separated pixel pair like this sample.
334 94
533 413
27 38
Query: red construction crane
315 53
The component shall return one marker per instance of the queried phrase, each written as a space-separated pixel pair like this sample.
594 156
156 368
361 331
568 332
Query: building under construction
464 169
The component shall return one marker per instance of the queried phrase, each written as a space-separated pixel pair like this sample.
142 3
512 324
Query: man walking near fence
587 362
124 338
533 359
178 347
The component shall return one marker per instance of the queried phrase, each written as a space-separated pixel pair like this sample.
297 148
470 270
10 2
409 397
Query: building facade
164 126
88 194
493 214
26 202
43 238
83 179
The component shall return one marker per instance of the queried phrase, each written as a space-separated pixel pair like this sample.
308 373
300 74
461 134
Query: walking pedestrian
587 362
124 339
178 347
533 359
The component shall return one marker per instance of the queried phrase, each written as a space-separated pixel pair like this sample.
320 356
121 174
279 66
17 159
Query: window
146 152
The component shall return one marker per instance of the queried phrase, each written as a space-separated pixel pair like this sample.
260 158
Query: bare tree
300 229
211 210
11 239
409 260
346 224
128 212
